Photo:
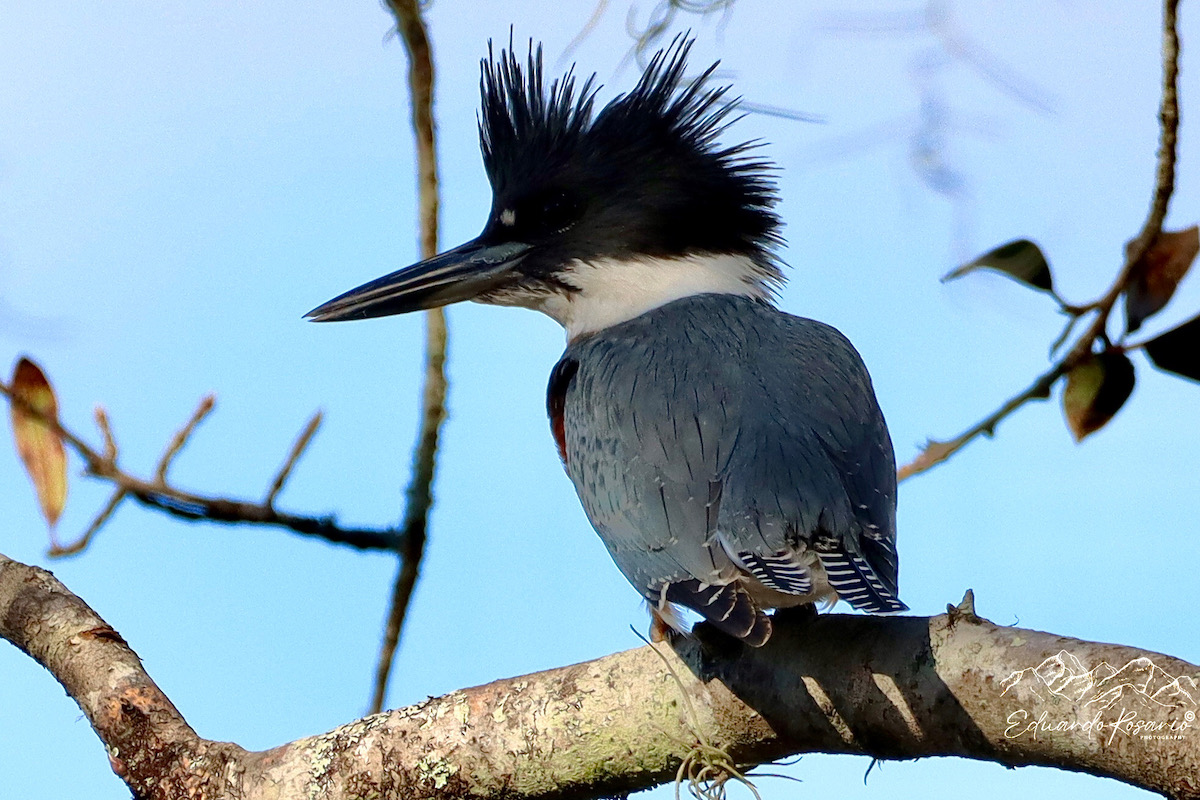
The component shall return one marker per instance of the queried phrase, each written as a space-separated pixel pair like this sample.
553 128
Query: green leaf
1158 273
1178 350
38 445
1095 391
1020 260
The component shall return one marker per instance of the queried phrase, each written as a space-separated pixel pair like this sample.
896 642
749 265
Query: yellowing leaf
1095 391
1157 274
38 445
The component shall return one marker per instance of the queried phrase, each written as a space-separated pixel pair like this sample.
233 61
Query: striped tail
856 582
781 572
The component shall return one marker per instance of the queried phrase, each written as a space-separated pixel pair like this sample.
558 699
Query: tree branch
143 732
160 495
898 687
419 496
935 452
298 447
180 438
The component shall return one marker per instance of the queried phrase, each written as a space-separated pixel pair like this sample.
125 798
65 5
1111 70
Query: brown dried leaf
1095 391
1158 273
38 445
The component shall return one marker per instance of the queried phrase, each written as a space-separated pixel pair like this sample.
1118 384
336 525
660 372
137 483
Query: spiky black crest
653 151
519 116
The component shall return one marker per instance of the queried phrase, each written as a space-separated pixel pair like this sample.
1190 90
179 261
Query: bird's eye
559 211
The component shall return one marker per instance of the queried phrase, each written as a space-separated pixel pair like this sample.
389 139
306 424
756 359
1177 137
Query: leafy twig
412 31
935 452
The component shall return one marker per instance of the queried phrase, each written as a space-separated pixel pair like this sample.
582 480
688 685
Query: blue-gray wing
715 440
814 471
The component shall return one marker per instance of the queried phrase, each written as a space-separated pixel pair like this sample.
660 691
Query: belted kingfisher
732 457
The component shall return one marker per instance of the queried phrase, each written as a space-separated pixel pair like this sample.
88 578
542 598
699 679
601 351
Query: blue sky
179 183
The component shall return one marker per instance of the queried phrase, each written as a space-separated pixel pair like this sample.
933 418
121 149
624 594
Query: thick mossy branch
898 687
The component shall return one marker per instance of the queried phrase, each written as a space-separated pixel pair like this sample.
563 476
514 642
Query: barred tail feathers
856 582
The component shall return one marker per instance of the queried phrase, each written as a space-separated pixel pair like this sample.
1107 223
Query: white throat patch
611 291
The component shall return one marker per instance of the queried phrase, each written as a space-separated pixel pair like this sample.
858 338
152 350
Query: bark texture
953 684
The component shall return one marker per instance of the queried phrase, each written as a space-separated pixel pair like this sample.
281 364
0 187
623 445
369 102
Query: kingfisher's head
599 217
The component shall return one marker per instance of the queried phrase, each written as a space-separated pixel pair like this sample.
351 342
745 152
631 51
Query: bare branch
433 395
588 28
935 452
661 18
110 442
298 448
138 725
888 687
182 436
420 499
80 544
192 506
1168 120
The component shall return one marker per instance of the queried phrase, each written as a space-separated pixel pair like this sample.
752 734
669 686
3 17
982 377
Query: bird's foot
795 615
661 630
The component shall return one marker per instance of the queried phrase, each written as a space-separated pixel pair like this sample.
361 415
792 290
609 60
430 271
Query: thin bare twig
412 31
80 544
110 443
182 435
584 32
660 20
935 452
191 506
1074 317
298 448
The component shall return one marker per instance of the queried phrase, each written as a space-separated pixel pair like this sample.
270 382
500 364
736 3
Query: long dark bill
463 273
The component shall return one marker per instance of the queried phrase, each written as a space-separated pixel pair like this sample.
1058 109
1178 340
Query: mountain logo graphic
1139 682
